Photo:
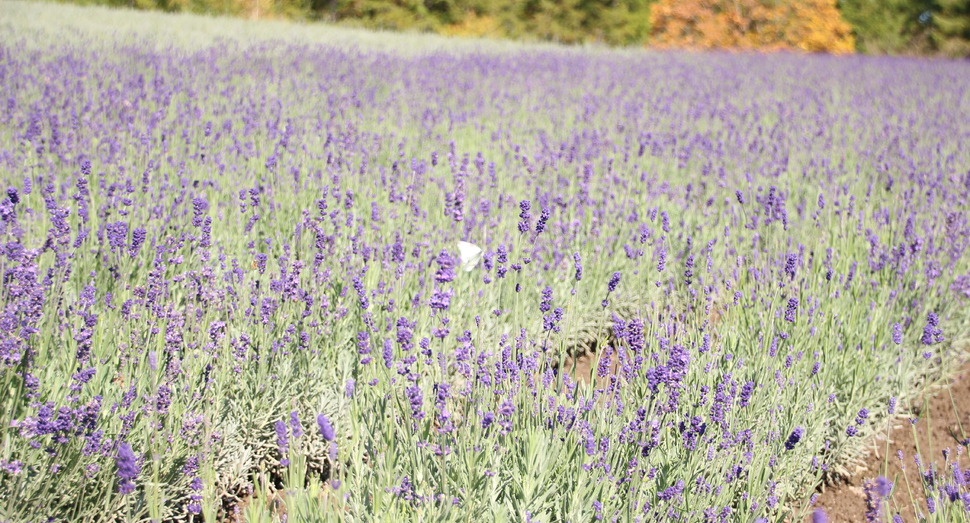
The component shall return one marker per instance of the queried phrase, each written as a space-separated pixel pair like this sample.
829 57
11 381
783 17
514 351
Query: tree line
836 26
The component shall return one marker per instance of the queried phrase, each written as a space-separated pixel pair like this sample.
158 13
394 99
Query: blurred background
895 27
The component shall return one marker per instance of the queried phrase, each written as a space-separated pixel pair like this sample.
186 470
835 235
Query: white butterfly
471 254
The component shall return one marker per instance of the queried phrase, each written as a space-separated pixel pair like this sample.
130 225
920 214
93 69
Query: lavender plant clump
701 281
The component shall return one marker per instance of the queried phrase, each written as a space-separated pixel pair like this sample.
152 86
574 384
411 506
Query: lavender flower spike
326 429
128 469
614 281
794 438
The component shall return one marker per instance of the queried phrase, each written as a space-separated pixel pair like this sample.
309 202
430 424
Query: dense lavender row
231 269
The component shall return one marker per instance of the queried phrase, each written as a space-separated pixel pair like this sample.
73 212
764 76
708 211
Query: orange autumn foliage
767 25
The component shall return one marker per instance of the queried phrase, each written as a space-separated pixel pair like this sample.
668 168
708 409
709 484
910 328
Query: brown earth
581 366
942 422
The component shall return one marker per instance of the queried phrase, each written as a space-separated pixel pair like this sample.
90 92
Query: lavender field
233 291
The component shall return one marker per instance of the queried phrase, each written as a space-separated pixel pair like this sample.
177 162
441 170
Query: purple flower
897 333
282 437
740 196
128 469
931 332
746 391
404 333
440 299
199 207
446 268
358 284
295 425
261 262
794 438
117 233
524 207
883 486
790 265
326 430
875 493
137 239
791 309
363 342
501 254
961 285
506 409
195 505
163 399
545 304
543 218
388 353
267 309
14 468
416 398
670 493
819 515
614 281
551 321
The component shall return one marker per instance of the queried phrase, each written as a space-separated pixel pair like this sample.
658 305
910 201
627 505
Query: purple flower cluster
326 429
932 332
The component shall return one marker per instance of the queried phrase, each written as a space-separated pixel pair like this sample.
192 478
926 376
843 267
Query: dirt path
942 422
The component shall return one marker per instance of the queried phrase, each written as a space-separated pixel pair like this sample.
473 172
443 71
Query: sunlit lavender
232 273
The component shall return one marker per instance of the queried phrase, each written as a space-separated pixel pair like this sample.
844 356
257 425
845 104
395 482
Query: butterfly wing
470 254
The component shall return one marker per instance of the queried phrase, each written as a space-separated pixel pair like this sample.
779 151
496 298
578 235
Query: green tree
420 15
888 26
951 27
620 22
613 22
